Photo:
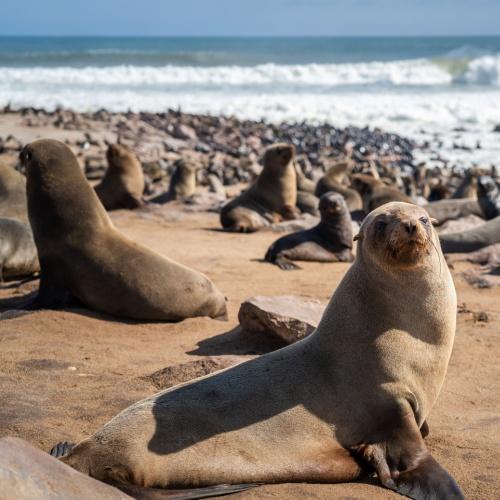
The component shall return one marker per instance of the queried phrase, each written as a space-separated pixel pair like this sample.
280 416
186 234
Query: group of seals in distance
350 398
83 256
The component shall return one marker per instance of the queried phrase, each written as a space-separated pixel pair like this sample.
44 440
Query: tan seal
123 183
473 239
18 256
329 241
12 194
83 256
375 193
332 181
182 184
272 198
353 393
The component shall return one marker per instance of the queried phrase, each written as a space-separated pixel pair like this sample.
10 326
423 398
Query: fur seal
18 256
329 241
13 202
473 239
307 202
445 210
375 193
488 194
272 198
352 394
303 183
182 184
123 183
329 182
83 256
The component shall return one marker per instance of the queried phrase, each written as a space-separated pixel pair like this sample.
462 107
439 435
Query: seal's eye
424 220
25 155
380 226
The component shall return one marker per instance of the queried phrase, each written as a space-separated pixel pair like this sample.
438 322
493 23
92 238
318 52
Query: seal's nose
410 227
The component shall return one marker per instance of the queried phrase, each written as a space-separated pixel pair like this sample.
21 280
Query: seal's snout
411 227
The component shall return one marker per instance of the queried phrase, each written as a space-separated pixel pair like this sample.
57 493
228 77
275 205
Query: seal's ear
434 221
359 236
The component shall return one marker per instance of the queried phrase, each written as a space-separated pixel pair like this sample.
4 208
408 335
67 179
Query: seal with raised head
182 184
13 202
329 241
123 183
83 256
488 196
18 256
353 394
375 193
272 198
473 239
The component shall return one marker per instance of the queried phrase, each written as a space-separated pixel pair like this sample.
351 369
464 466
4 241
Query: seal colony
83 256
352 395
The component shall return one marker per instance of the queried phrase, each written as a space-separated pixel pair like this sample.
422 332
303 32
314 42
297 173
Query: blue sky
250 17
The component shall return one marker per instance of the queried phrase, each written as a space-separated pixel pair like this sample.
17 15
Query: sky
250 17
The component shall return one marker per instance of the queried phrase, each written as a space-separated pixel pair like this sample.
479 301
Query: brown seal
123 183
473 239
329 241
83 256
353 393
375 193
182 184
13 202
445 210
272 198
18 256
331 182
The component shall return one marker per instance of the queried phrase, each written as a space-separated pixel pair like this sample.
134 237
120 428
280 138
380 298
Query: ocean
442 90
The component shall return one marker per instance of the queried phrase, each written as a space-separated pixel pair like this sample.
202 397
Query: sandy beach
65 373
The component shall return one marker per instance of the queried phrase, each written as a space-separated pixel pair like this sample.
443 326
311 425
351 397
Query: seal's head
397 234
279 155
118 156
364 183
332 205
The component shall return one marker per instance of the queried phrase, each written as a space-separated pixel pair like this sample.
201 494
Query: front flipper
285 264
403 464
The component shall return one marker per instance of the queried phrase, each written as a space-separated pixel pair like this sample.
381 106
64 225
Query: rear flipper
181 494
404 464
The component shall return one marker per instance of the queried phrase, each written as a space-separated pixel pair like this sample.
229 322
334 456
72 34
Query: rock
288 317
27 473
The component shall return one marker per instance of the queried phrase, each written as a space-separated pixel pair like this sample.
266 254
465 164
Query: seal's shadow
237 341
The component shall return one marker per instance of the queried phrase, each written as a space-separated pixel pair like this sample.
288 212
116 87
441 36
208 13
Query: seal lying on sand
330 182
329 241
123 183
488 195
182 184
375 193
83 256
473 239
272 198
13 202
445 210
18 257
353 393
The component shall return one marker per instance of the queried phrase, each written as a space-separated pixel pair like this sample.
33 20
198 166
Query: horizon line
39 35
